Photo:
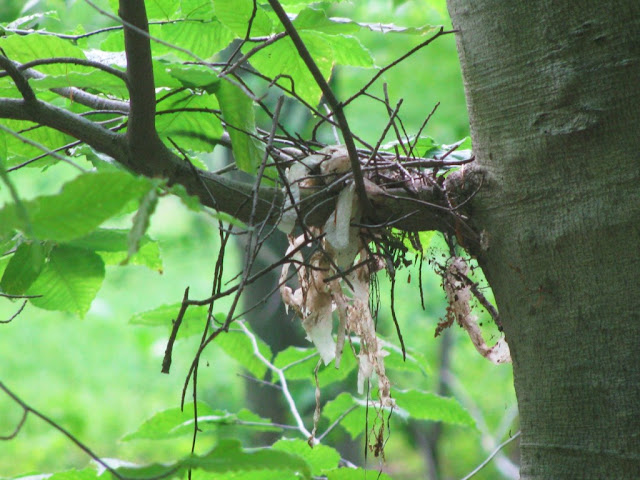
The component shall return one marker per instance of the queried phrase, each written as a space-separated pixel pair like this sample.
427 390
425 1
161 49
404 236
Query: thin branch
493 454
12 317
420 46
27 408
16 430
39 146
166 361
75 61
283 381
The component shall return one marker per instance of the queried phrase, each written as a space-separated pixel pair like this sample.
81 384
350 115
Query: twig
28 409
45 149
493 454
396 62
75 61
12 317
283 382
166 361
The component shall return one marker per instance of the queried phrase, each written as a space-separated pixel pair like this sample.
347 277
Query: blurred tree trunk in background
554 105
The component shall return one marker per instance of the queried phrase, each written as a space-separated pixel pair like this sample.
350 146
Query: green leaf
300 363
23 268
112 245
228 456
96 80
415 361
69 280
271 474
235 15
354 422
85 474
282 57
169 423
349 51
196 9
190 201
191 130
18 151
147 256
156 9
141 221
319 458
238 346
238 114
429 406
202 38
316 20
193 321
195 77
356 474
24 48
82 205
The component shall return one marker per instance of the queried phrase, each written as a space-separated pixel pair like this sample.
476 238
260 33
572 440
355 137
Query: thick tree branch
142 136
142 151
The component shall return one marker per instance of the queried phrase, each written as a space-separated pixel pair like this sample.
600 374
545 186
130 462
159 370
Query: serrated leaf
170 423
196 9
239 347
354 422
193 321
18 151
429 406
271 474
23 268
190 201
23 48
191 130
85 474
147 256
319 458
349 51
235 15
69 280
282 57
228 456
195 77
415 361
156 9
300 363
238 114
96 80
82 205
201 38
316 20
112 245
356 474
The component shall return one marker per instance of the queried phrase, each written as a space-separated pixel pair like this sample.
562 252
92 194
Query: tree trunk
554 103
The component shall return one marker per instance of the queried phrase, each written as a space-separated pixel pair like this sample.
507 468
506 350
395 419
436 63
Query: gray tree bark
554 101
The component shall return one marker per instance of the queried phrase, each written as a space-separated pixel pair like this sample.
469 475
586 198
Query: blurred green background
100 378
